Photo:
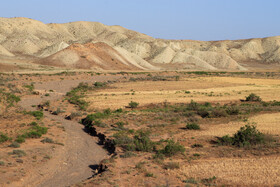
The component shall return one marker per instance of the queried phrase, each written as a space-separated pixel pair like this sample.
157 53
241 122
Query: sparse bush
196 145
133 104
204 113
218 112
37 114
171 148
18 152
171 165
192 126
253 97
2 163
232 110
14 145
47 140
3 138
246 136
128 154
142 142
99 84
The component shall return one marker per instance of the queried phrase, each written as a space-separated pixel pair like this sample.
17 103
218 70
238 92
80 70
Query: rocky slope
92 45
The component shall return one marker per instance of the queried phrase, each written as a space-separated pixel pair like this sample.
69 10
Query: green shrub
172 148
14 145
37 114
142 142
133 104
47 140
218 112
232 110
20 139
18 152
3 138
253 97
192 126
246 136
99 84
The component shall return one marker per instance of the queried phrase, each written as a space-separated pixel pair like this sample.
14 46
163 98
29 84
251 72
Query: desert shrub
218 112
128 154
204 113
2 163
14 145
18 152
37 114
87 121
20 139
29 87
193 105
233 110
35 131
47 140
119 110
246 136
192 126
142 142
133 104
3 138
225 140
253 97
171 165
171 148
99 84
196 145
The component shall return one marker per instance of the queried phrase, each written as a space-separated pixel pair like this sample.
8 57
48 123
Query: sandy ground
72 163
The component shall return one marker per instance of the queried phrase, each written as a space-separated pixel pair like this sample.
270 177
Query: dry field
200 89
217 165
163 97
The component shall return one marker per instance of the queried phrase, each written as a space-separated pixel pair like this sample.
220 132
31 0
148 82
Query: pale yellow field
210 89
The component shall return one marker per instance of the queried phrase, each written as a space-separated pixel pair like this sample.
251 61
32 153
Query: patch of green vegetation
253 97
18 153
91 118
35 131
170 149
37 114
29 87
192 126
76 94
246 136
14 145
3 138
133 104
8 98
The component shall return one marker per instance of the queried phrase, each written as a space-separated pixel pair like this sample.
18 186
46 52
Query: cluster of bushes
142 142
246 136
35 131
75 96
8 98
3 137
37 114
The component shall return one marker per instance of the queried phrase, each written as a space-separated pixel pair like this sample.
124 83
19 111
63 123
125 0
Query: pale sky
168 19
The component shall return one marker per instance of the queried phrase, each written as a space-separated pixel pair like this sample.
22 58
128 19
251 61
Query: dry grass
210 89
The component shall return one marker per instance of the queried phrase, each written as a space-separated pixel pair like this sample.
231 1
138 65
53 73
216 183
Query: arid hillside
77 45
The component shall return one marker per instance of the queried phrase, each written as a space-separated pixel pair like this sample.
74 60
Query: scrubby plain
85 104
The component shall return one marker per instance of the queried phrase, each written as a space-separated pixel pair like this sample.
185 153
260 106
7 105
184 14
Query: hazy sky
169 19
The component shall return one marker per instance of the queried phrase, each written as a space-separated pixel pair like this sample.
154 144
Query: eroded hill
92 45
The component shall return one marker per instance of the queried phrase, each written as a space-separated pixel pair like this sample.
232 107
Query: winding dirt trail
72 163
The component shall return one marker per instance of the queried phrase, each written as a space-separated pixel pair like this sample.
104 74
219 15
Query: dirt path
72 163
